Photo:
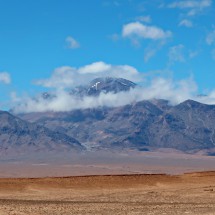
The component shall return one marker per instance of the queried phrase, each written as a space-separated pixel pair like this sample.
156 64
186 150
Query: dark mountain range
19 135
144 125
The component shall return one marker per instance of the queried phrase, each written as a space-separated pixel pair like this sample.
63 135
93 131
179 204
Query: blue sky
159 38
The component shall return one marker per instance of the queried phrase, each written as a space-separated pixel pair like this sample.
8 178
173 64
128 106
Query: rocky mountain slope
20 136
145 125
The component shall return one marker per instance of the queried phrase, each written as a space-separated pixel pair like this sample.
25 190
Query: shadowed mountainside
143 125
19 135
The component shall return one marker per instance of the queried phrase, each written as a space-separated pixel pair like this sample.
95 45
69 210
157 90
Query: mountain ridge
19 135
144 125
103 85
137 126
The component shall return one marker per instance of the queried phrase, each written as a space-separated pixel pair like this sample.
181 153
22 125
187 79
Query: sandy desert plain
143 183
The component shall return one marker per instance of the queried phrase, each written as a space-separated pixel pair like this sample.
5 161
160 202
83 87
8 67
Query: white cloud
176 54
210 39
72 43
208 99
146 19
61 77
155 88
187 23
94 68
5 78
193 6
158 88
139 30
67 77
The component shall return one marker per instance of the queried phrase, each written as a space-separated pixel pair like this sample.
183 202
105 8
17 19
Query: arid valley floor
111 183
192 193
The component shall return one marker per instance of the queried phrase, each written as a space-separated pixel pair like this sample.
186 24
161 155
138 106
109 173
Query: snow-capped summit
109 84
104 85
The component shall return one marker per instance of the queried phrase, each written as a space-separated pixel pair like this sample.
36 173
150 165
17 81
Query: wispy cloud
72 43
146 19
139 30
109 3
5 78
193 53
176 54
193 6
151 50
114 37
189 9
210 39
186 23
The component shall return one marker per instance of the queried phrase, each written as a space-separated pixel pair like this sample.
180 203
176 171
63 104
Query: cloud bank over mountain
63 101
64 79
67 77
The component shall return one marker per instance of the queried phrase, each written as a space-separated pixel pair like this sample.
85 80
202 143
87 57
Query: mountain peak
191 104
109 84
19 135
104 85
